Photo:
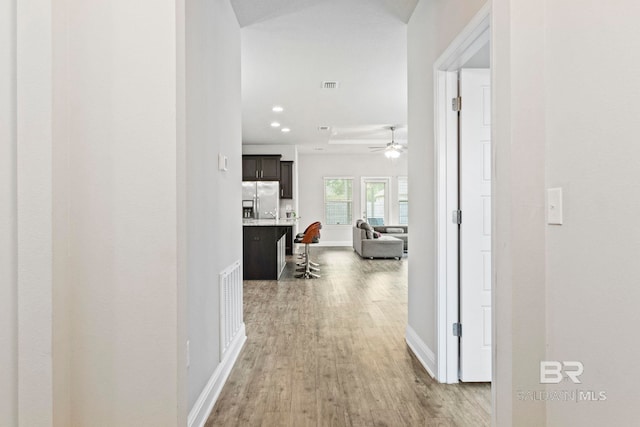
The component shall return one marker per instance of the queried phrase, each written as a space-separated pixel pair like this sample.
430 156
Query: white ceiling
289 47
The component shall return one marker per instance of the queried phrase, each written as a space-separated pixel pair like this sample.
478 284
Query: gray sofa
367 246
398 231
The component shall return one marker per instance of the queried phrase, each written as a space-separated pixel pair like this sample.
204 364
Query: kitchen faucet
273 214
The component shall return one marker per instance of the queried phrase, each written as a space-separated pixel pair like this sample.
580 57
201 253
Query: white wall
288 152
592 152
519 107
433 25
214 222
118 78
34 162
112 200
578 280
103 179
62 187
314 167
8 279
563 291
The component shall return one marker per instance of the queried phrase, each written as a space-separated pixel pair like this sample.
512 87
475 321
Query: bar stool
303 256
311 235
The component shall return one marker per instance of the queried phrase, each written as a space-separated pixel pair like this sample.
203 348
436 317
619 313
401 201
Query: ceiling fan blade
396 146
376 149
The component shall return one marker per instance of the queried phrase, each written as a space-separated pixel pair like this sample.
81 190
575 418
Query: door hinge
456 103
457 329
456 217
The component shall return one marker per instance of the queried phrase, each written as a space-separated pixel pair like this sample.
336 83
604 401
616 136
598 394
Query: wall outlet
188 354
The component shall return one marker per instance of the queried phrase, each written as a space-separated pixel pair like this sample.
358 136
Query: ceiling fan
393 149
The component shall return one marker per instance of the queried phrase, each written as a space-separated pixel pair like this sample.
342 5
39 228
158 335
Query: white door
375 200
475 228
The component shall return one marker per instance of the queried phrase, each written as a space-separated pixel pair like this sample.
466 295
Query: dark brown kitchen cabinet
286 179
270 168
250 168
264 250
261 168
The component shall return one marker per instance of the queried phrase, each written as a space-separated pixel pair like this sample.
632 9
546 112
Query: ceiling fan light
392 154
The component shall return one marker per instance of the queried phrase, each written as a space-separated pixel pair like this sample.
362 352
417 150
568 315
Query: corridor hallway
331 351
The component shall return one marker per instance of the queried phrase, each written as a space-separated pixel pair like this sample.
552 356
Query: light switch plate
223 162
554 206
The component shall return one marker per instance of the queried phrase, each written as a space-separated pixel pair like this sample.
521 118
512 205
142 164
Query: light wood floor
331 352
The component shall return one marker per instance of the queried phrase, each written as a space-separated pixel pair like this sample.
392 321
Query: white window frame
324 203
387 199
405 177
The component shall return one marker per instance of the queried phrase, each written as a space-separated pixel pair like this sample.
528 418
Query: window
403 200
338 195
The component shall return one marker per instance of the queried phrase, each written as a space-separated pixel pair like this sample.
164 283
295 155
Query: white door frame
388 194
472 38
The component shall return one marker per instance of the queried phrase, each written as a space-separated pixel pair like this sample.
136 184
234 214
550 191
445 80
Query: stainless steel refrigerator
263 196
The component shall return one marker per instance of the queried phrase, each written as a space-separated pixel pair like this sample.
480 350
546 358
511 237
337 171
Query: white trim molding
472 38
207 399
422 351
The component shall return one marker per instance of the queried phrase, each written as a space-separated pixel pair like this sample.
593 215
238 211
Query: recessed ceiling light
285 130
277 109
275 124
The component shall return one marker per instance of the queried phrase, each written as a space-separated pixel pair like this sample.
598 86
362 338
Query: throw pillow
366 226
395 230
369 234
359 223
376 234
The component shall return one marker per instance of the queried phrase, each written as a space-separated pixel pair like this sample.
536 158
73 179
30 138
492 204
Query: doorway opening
463 205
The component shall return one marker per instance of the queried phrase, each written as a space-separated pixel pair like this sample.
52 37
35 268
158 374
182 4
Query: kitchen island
266 242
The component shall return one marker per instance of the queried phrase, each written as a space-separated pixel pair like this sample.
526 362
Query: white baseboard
422 352
335 243
203 406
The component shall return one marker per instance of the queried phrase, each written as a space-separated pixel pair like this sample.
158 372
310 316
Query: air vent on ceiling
324 128
330 85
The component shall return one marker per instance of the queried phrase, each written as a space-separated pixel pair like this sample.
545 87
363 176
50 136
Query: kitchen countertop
269 222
